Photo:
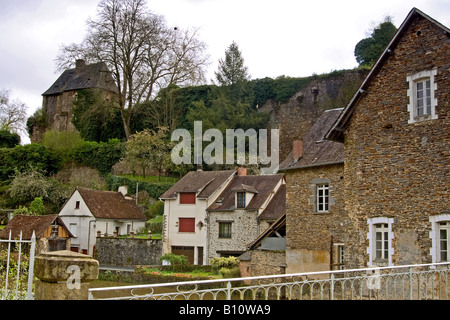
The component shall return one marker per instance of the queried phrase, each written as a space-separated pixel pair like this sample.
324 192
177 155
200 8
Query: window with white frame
422 102
381 241
380 237
322 197
444 241
440 238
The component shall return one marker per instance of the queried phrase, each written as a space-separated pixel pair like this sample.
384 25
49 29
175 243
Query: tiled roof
28 224
316 150
204 182
110 205
94 75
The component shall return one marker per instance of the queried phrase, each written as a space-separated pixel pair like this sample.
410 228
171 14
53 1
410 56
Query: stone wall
295 117
395 169
308 233
264 262
244 230
126 252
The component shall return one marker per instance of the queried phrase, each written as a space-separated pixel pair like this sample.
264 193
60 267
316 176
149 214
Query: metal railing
407 282
10 276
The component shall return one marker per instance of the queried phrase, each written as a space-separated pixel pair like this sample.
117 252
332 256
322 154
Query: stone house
89 212
58 99
184 220
395 132
315 217
245 208
50 231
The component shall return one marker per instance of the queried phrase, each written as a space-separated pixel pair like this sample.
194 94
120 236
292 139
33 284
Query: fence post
64 275
332 287
410 284
31 267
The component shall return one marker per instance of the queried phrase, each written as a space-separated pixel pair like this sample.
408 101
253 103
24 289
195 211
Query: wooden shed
51 232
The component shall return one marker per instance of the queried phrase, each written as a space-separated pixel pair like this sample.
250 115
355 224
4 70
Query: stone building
246 207
315 217
58 100
395 133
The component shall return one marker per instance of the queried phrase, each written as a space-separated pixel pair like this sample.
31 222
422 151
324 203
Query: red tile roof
110 205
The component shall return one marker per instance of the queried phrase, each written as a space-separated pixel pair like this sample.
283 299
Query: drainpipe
89 236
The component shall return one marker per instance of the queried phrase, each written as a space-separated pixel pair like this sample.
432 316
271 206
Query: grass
193 273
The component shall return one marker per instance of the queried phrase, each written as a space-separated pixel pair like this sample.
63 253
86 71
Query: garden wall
126 252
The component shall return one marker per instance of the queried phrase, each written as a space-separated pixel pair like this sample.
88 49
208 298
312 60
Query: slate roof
276 206
316 150
204 182
110 205
28 224
88 76
263 185
336 131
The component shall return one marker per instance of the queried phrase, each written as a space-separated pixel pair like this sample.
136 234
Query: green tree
232 70
149 149
8 139
97 117
369 49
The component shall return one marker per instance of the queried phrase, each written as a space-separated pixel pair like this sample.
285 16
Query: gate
16 268
408 282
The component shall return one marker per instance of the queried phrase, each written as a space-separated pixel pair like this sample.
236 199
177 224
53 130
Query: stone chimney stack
297 149
241 171
79 65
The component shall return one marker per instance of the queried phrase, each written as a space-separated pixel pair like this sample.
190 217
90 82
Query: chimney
123 190
79 64
241 171
297 149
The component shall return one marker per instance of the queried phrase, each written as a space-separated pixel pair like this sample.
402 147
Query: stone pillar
64 275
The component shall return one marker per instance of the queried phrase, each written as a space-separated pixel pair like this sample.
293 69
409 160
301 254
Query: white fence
408 282
12 269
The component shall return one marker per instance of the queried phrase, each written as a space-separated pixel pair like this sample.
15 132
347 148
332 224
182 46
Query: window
380 241
187 197
77 205
225 229
186 225
444 241
322 197
440 238
240 199
423 97
422 103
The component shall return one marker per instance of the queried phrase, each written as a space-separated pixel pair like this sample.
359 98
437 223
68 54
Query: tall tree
13 114
369 49
141 51
232 70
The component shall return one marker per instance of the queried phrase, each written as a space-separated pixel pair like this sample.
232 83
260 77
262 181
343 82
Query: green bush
175 260
234 272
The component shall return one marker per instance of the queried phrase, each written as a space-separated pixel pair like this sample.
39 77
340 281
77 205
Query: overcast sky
279 37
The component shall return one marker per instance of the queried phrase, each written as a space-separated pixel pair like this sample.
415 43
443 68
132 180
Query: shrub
177 261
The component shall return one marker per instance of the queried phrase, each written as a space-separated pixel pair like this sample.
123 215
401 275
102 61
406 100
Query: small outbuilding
50 231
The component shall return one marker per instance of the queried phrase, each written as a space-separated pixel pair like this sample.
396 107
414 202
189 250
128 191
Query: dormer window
240 199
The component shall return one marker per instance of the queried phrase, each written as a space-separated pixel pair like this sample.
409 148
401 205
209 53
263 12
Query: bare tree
142 52
13 114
